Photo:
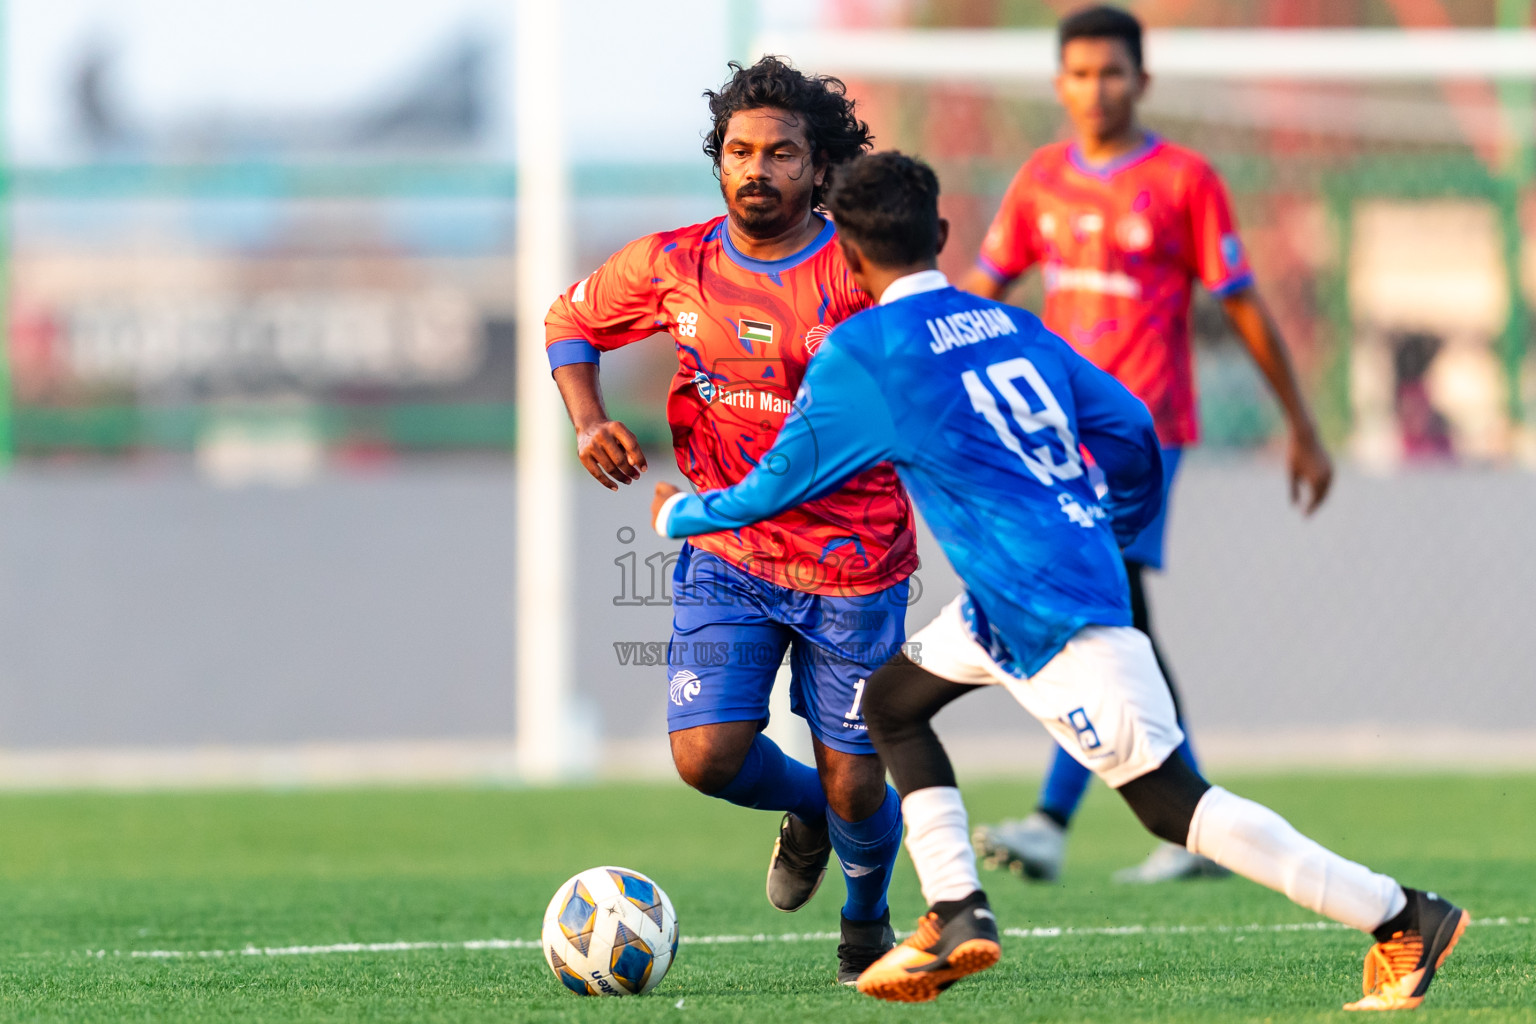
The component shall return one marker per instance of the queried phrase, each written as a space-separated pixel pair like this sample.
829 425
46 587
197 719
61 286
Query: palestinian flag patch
755 330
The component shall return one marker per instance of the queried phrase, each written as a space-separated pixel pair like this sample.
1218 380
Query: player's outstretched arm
840 426
1311 470
1117 430
607 448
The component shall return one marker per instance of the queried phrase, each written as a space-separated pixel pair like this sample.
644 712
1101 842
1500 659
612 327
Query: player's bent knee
1165 798
708 778
708 757
900 700
901 697
854 783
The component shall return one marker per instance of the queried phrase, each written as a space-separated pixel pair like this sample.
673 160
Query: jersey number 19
1039 460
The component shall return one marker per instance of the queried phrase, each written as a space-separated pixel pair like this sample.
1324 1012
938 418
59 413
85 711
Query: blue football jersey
984 414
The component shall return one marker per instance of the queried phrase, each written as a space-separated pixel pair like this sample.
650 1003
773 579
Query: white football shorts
1102 697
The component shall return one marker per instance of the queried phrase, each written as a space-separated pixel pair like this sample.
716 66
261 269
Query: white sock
1258 844
940 843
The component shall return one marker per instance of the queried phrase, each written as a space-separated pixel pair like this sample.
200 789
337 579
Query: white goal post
544 632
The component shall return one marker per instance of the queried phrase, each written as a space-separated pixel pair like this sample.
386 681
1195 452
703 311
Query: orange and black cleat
1398 970
952 940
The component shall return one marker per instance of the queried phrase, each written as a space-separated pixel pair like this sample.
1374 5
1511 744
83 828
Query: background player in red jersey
747 298
1122 224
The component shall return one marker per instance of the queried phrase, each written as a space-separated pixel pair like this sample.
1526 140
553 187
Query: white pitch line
726 940
340 947
1219 929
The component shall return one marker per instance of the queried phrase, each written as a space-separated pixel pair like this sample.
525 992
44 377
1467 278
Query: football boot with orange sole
1399 969
952 941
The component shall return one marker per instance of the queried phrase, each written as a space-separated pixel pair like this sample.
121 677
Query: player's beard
765 221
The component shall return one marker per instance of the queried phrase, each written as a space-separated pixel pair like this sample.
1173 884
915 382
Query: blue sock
1187 752
867 850
1064 787
770 781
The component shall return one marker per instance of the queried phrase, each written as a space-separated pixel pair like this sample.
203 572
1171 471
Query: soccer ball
610 931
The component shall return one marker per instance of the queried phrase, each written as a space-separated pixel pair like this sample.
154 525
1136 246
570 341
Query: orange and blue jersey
1120 246
745 330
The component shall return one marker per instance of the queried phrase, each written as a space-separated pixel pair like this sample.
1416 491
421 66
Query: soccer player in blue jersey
983 413
1123 224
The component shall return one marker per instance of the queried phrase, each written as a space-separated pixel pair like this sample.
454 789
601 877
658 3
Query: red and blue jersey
745 330
1120 246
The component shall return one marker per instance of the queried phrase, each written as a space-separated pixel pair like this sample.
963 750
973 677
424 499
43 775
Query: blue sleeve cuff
664 517
986 267
571 350
1233 285
686 515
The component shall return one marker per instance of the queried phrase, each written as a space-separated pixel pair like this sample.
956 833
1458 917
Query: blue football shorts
730 631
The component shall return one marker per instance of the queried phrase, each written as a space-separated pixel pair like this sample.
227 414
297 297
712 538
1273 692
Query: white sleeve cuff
665 513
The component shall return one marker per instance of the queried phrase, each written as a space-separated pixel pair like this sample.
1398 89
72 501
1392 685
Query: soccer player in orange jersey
747 298
1122 224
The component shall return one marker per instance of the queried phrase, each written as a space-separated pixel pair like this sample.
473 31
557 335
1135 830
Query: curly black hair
836 135
888 203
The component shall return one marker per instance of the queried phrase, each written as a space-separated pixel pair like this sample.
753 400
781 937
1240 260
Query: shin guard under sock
771 781
867 851
1258 844
940 844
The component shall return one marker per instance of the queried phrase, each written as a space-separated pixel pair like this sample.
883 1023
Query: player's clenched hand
611 453
664 491
1311 472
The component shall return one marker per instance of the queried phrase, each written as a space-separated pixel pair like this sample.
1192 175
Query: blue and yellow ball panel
639 891
631 961
578 917
573 981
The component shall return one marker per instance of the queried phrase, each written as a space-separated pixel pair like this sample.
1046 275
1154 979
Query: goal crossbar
997 55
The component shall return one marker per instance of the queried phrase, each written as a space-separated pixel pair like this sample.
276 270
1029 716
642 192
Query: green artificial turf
87 878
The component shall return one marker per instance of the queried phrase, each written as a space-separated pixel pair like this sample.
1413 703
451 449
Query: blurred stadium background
259 519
